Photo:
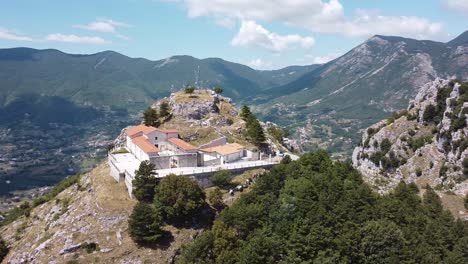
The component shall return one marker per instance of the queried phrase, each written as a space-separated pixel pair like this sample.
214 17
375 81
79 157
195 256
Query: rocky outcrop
425 144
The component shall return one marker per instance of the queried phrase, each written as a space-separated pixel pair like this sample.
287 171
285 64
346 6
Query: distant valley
58 110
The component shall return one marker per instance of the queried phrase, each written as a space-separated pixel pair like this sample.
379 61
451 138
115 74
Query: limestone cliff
426 144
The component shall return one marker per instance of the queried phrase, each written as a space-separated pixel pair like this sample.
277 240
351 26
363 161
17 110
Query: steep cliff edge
426 144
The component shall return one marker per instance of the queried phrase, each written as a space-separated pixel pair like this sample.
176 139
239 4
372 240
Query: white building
144 142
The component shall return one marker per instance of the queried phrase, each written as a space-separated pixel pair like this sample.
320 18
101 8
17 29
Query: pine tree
145 224
150 117
164 109
245 113
255 131
144 182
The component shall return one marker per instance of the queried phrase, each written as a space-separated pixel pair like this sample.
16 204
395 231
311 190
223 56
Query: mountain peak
460 40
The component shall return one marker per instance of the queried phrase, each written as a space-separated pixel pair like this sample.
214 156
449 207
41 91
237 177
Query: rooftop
133 131
182 144
144 144
225 149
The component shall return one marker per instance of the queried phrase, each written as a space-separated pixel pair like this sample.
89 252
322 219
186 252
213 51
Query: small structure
226 153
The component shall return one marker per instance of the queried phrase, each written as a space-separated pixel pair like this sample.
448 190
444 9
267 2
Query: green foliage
385 145
416 143
120 151
458 123
179 197
278 133
91 247
151 117
396 116
144 182
3 249
189 89
245 112
164 110
418 172
380 242
254 131
430 113
317 211
144 224
221 178
215 197
218 90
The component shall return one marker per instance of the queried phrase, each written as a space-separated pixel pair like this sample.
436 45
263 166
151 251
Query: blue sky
265 34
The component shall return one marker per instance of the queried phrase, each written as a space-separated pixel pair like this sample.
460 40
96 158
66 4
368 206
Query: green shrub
221 178
189 89
385 145
418 172
120 151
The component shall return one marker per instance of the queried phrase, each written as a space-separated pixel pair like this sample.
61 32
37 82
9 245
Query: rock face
426 144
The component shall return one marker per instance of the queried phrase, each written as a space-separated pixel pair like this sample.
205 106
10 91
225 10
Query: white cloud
260 64
75 39
322 59
252 34
9 35
103 25
457 5
317 16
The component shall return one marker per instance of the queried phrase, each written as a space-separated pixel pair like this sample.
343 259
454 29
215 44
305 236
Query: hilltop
86 222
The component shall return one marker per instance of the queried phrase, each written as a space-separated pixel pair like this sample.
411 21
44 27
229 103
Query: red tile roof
144 144
182 144
132 131
135 130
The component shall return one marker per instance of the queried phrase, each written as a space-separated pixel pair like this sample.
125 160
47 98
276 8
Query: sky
264 34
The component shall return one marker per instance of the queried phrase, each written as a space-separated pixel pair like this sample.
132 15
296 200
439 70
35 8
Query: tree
150 117
164 109
180 197
218 90
145 224
429 113
215 197
432 202
245 113
255 131
144 182
221 178
189 89
3 249
381 242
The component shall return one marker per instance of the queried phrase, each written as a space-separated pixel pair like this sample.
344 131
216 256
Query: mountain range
64 104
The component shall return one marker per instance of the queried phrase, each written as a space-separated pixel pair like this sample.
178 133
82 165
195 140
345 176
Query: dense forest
315 210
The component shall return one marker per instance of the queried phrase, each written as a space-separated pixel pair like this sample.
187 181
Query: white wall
233 157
